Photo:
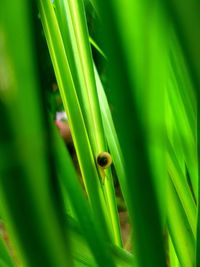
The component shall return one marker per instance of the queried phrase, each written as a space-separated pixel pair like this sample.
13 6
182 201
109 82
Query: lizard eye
104 160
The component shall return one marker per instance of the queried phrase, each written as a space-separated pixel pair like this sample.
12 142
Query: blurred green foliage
127 74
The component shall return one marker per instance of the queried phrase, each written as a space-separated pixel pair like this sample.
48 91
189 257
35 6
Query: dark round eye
104 160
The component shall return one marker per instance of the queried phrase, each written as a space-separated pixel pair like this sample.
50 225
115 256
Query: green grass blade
91 109
71 184
90 95
80 59
186 22
184 122
182 188
95 45
83 254
172 255
111 136
179 229
130 130
72 107
27 192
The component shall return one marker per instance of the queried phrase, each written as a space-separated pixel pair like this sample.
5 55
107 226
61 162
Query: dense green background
128 74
